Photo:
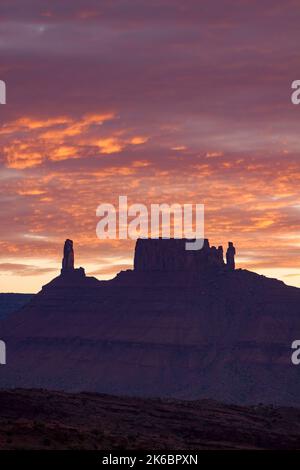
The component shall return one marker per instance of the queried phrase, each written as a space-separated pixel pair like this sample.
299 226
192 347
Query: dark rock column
220 255
230 253
68 259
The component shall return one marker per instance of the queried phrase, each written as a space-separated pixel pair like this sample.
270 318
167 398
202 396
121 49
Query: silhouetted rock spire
68 272
230 253
68 259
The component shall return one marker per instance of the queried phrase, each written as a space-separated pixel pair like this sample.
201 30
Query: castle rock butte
181 324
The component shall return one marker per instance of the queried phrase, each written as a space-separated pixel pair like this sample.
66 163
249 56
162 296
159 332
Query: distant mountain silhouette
10 303
182 324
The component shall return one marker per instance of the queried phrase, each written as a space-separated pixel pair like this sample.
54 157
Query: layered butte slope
181 324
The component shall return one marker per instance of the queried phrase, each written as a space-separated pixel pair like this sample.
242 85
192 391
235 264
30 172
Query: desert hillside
37 419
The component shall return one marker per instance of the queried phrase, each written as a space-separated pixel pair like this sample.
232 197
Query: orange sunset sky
162 101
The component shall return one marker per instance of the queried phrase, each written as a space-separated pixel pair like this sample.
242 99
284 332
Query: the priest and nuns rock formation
170 255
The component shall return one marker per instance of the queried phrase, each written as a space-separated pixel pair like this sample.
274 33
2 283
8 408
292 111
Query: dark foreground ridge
37 419
181 324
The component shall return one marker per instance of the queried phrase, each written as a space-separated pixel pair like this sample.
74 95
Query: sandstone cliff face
182 333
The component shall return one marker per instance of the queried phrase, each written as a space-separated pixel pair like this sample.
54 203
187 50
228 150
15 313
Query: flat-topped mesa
67 268
163 254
